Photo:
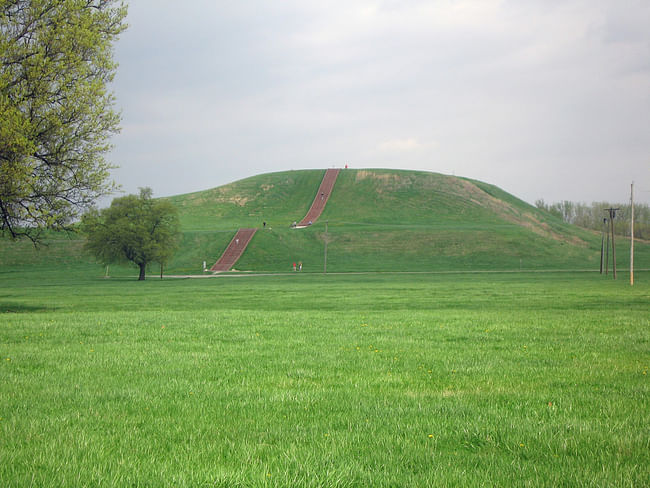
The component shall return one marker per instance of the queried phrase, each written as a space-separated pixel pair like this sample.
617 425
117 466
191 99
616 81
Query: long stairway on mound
234 250
324 192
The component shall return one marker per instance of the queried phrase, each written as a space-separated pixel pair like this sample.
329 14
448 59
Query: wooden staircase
234 250
243 237
324 192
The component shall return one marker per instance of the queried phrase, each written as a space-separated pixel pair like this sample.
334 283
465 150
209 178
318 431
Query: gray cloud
546 99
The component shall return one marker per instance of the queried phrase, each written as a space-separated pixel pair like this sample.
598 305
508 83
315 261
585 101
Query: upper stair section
324 192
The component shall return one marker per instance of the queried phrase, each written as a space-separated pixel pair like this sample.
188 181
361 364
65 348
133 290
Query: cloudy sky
544 98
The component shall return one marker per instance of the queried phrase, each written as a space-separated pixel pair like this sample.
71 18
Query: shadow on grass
12 307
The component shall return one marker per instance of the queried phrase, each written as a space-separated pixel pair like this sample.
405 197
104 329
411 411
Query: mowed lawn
337 380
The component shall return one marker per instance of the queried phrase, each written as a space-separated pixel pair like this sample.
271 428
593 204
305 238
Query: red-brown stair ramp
234 250
324 192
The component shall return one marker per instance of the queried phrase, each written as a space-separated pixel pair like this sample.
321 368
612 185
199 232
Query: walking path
234 250
324 192
247 274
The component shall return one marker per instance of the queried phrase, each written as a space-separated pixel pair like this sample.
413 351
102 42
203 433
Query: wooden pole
325 262
612 216
607 250
602 248
632 234
611 225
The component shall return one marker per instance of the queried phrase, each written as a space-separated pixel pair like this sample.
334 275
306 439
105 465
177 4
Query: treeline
591 216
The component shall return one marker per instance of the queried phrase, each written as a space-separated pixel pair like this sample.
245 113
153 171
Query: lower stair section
234 250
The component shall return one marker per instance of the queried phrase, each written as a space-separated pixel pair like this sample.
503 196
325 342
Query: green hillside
383 220
378 220
277 198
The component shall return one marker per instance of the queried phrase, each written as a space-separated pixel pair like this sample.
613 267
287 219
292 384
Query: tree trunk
142 269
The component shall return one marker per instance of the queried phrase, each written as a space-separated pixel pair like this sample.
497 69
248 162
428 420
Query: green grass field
449 375
479 379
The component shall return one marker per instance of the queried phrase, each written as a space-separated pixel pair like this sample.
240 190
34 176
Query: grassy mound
377 220
382 220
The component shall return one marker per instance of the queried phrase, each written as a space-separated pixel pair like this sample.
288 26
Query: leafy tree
135 228
56 114
591 216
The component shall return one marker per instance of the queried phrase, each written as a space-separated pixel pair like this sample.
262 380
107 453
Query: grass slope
277 198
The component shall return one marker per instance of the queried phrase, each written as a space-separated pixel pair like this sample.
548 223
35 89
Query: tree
135 228
56 114
590 216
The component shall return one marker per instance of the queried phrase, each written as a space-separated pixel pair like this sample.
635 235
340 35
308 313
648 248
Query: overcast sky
543 98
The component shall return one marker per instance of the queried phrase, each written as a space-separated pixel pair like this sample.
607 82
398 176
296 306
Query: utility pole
612 216
602 245
326 238
606 248
632 235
